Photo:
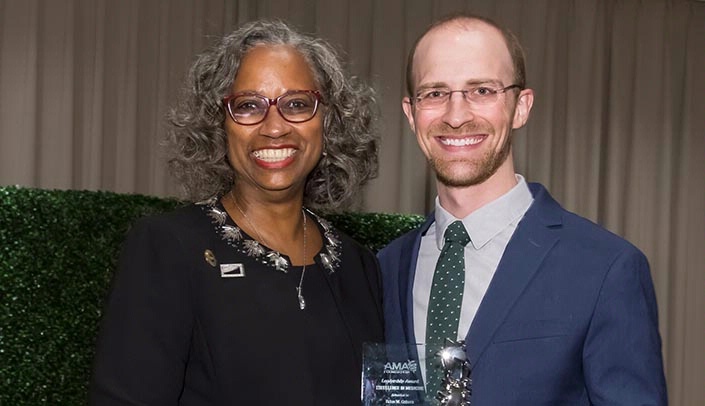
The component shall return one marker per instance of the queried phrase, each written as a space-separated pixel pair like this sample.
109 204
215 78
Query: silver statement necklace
299 289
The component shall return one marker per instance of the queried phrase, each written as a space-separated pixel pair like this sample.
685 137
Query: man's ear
409 112
523 108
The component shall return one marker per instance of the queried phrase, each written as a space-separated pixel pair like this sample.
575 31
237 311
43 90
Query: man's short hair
516 51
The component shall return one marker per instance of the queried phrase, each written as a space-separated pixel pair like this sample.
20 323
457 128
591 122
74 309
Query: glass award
391 375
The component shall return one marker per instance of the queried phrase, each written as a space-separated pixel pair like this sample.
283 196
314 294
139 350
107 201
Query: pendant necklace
299 289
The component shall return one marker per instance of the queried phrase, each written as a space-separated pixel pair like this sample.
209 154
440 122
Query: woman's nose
274 125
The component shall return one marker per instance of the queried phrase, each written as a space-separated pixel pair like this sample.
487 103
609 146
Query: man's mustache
465 129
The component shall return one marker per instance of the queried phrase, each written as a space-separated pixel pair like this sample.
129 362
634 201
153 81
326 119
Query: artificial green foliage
57 253
374 230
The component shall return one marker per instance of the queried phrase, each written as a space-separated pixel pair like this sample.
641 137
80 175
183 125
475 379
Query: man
552 308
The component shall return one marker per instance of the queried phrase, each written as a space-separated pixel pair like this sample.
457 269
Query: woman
248 297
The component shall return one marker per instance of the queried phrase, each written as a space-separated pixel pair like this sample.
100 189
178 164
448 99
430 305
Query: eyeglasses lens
297 107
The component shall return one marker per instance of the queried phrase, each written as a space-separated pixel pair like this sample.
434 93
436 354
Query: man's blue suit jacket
569 318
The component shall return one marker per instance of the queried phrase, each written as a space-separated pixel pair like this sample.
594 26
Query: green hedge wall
57 253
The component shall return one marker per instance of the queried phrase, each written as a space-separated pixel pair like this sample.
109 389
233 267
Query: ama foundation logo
401 367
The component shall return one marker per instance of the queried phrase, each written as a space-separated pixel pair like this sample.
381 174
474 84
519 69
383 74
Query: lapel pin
210 258
232 270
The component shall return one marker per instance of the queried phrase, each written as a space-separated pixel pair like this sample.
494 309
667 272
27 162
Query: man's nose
458 110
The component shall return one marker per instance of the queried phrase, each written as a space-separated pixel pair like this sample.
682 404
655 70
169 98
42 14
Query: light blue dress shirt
490 228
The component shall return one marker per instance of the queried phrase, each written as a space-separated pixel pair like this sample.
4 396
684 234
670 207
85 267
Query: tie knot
456 233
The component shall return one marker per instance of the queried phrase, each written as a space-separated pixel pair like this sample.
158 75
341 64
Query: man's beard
478 170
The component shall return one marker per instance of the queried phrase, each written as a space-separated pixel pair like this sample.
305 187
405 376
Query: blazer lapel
409 254
535 236
334 284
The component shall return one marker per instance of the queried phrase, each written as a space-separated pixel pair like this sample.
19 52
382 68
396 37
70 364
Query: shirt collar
489 220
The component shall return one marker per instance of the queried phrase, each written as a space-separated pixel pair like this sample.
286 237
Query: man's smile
461 141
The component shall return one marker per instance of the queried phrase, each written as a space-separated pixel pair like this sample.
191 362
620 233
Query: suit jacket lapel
408 258
535 236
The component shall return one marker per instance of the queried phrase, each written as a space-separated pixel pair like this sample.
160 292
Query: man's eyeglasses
439 96
295 106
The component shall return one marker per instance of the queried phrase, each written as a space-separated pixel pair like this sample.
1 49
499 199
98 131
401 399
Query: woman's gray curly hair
197 142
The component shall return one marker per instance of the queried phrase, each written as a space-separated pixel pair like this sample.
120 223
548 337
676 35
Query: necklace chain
299 289
252 226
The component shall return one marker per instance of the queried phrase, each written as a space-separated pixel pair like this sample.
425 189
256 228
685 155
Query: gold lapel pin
210 258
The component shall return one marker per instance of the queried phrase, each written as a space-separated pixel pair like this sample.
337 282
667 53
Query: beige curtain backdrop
617 133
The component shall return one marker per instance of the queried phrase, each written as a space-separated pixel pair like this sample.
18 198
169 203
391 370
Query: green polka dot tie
445 301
